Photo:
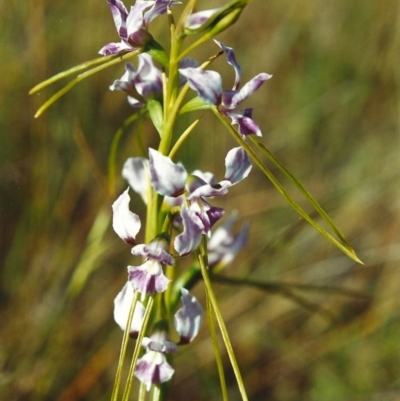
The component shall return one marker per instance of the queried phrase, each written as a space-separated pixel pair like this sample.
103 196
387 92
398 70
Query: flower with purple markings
171 179
132 27
149 278
152 367
125 223
140 84
208 85
223 245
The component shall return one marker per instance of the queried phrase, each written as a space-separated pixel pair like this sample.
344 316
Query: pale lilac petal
167 178
122 306
125 223
207 84
154 251
244 120
160 7
213 215
153 368
207 177
189 318
148 278
223 246
186 62
196 20
238 165
119 13
134 21
148 80
111 49
231 59
231 101
193 228
207 191
125 83
159 343
136 171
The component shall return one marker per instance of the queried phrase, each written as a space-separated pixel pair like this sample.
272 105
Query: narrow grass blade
344 248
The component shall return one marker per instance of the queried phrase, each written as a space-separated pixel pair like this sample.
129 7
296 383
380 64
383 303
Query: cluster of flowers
187 193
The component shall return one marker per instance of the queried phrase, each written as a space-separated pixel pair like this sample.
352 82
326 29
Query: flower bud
214 21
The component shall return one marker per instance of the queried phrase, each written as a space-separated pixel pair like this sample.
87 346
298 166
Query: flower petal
135 171
193 228
119 13
238 165
148 80
231 59
154 251
122 306
112 49
223 246
196 20
244 120
232 99
207 84
153 368
167 178
189 318
125 223
148 278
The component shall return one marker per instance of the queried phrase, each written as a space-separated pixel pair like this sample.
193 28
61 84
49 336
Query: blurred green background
330 113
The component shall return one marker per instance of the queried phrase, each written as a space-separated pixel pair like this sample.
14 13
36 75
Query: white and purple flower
152 367
132 27
148 278
208 85
171 179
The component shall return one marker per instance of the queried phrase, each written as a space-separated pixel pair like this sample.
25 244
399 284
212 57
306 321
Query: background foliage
330 113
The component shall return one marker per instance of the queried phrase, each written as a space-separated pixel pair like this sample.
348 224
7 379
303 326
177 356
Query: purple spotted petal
244 120
155 251
193 228
112 49
232 99
125 223
135 171
207 84
231 59
153 368
189 318
148 278
122 306
167 177
238 165
223 246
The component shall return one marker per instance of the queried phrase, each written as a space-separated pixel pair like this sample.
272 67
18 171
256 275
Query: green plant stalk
71 71
217 352
124 345
349 252
128 385
112 157
80 78
306 194
221 323
142 392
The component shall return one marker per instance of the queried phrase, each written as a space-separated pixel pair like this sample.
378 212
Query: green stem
128 386
124 346
221 323
217 352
